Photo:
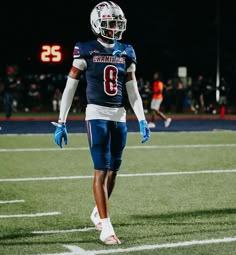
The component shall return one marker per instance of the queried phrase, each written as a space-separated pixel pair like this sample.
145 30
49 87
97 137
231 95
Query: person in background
110 68
56 100
157 98
33 96
145 93
9 90
197 92
169 96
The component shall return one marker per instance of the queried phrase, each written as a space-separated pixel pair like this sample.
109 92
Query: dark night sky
165 34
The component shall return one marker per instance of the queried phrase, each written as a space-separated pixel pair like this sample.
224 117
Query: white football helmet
108 20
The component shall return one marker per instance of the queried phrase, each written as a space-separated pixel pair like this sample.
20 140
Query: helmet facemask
112 28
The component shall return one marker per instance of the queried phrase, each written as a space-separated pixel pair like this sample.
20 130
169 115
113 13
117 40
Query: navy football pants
107 140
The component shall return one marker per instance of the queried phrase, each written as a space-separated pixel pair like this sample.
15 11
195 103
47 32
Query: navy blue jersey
106 71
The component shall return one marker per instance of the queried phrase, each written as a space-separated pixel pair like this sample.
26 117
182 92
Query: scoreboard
51 53
46 57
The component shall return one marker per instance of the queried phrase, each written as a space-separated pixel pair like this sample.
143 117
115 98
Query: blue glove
60 134
144 130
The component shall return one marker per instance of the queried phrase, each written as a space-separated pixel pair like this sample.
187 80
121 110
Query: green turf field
174 195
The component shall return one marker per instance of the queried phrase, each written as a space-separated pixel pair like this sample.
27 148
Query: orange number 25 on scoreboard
51 53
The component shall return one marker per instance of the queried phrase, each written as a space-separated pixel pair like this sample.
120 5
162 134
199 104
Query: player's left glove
60 134
144 130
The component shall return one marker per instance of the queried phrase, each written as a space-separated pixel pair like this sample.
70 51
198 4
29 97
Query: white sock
107 228
95 211
95 216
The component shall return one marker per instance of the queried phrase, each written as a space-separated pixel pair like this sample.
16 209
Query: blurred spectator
140 83
9 90
180 96
197 94
224 90
33 97
56 100
146 94
49 90
209 95
157 98
169 96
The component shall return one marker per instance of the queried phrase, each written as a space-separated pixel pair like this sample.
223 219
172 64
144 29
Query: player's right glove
60 134
144 130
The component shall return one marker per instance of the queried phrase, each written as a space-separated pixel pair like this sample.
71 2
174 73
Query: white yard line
53 178
180 146
11 201
119 175
29 215
43 149
62 231
76 250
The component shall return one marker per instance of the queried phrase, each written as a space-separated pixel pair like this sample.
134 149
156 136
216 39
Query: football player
109 67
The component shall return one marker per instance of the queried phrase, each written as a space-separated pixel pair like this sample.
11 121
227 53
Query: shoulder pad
82 49
129 51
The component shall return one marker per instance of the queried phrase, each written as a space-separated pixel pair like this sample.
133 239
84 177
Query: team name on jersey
108 59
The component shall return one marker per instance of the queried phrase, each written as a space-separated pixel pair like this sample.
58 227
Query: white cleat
167 122
151 125
110 240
